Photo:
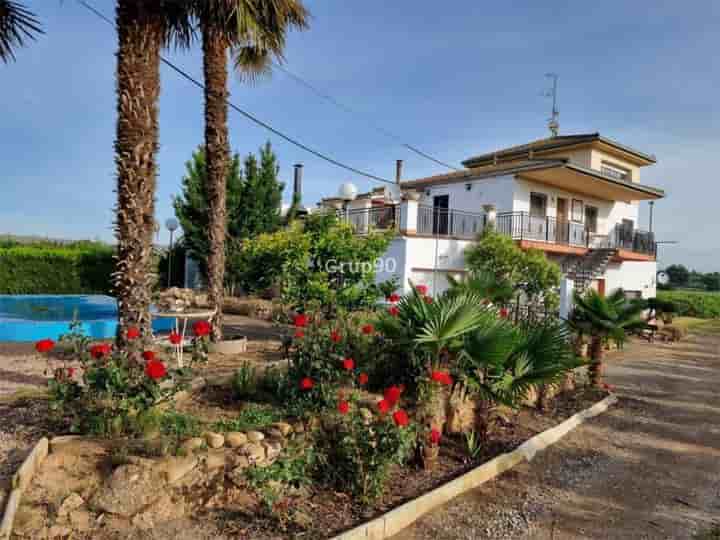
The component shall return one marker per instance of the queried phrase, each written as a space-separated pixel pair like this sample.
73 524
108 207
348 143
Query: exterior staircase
588 267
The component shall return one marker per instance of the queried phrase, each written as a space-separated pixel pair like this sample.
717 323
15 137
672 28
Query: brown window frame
573 213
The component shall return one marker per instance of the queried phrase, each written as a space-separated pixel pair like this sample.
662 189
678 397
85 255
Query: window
538 205
591 218
615 171
577 210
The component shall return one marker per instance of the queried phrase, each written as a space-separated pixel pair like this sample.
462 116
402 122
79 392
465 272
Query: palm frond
17 25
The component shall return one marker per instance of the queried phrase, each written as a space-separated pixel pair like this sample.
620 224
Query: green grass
699 304
251 417
698 326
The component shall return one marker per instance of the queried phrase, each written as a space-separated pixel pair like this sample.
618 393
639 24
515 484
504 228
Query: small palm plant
605 318
483 284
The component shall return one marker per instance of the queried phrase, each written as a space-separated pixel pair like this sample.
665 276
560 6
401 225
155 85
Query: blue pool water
34 317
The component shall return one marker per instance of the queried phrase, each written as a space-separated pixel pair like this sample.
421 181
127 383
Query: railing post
547 228
522 224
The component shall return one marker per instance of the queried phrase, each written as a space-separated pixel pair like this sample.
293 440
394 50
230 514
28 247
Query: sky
456 81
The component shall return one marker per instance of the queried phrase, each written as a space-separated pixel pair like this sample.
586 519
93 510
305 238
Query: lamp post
652 205
171 224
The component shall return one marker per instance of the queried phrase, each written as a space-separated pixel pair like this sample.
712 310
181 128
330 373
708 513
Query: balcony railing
444 222
523 226
364 220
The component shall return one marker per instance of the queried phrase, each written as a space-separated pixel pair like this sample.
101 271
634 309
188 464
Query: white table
181 329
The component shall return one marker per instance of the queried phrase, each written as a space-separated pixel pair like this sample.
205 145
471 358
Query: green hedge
45 269
704 305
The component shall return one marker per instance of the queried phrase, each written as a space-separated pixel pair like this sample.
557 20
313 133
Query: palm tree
17 25
256 32
601 318
143 29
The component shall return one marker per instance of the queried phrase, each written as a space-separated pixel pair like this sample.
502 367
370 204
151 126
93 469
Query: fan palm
484 284
17 25
255 30
603 317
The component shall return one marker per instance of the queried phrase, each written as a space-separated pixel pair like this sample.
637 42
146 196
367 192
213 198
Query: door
562 225
626 233
538 215
591 219
441 221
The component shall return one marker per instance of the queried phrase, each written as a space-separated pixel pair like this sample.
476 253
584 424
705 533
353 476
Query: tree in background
261 195
711 281
679 275
17 25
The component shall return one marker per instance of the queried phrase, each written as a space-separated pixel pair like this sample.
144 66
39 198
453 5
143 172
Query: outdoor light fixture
348 192
172 225
468 186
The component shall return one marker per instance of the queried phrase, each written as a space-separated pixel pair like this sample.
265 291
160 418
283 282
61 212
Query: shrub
701 304
41 269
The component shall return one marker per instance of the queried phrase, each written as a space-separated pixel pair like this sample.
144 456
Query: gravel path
647 469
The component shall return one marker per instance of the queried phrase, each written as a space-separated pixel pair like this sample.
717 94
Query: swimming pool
32 317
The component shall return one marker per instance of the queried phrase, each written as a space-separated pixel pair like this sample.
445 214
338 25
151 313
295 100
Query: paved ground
648 469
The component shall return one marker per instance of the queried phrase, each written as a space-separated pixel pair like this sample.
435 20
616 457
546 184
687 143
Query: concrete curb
21 479
404 515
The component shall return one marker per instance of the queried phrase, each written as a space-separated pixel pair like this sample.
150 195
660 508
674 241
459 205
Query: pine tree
261 195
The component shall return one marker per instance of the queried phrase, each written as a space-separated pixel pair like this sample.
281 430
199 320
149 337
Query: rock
214 440
81 520
238 462
302 519
284 428
237 476
255 436
192 444
254 452
59 531
71 502
29 521
299 427
235 439
274 433
164 509
215 459
129 489
272 449
174 468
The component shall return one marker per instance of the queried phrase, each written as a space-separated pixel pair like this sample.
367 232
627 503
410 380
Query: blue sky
454 79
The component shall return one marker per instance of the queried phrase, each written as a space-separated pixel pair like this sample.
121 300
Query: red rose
428 299
299 334
422 290
401 418
306 384
435 436
363 379
149 356
201 328
100 349
300 320
383 406
44 345
70 372
442 377
343 407
349 364
133 332
175 338
368 329
504 313
155 369
394 311
335 336
393 298
392 395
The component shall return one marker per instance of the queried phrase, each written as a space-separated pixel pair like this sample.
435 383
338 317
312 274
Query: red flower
428 299
299 334
155 370
392 395
401 418
368 329
100 349
383 406
363 379
394 311
175 338
343 407
422 289
435 437
349 364
44 345
201 328
70 372
504 313
393 298
300 320
133 332
442 377
149 356
335 336
306 384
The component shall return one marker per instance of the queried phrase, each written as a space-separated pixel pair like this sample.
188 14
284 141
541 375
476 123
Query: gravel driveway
647 469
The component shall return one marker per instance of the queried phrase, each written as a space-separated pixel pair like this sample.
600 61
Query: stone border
21 479
404 515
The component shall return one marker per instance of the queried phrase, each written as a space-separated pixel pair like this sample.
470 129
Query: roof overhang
577 179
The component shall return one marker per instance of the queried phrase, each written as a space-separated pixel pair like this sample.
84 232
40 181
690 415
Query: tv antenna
554 120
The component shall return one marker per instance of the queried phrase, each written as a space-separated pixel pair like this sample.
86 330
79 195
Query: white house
575 197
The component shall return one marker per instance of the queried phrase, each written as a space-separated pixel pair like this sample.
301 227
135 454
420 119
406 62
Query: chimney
398 170
297 185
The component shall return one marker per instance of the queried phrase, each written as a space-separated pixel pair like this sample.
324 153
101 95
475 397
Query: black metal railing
623 237
524 226
445 222
364 220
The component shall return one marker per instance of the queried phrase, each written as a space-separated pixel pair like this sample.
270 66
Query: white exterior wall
497 191
632 276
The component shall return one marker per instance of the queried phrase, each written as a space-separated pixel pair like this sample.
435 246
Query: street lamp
348 192
172 225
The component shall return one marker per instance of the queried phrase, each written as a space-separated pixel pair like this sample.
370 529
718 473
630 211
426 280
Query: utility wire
246 114
349 110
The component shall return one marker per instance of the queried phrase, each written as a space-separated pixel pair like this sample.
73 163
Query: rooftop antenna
554 120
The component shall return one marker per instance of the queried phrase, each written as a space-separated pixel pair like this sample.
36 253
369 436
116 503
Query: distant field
700 304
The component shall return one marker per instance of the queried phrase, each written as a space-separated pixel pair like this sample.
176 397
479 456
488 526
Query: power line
327 97
246 114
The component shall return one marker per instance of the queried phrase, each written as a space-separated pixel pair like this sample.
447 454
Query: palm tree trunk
136 145
596 358
217 152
